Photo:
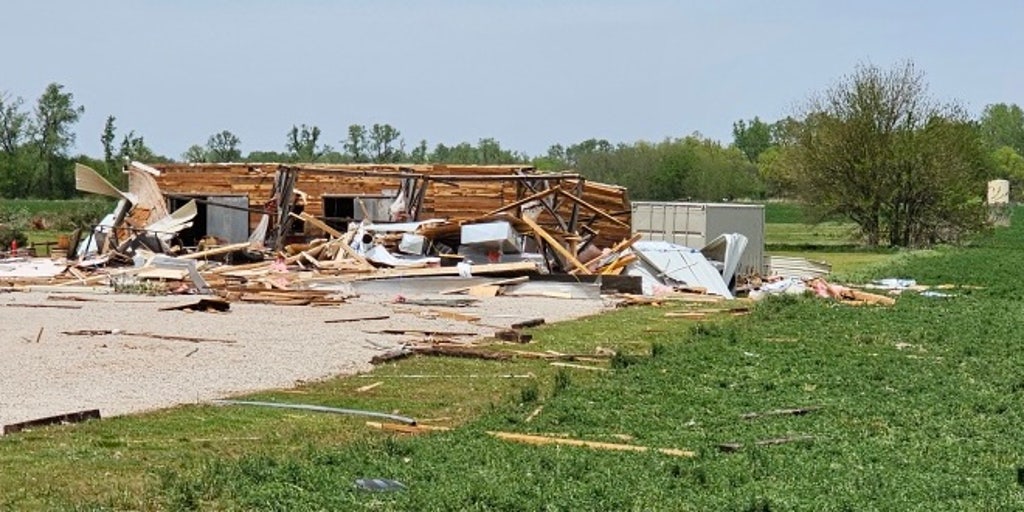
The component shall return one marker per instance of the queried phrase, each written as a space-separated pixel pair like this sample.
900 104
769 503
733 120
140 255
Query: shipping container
696 224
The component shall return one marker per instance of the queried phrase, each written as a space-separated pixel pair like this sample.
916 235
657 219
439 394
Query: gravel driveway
275 347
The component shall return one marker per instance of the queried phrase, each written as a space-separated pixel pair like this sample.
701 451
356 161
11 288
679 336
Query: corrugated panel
795 267
228 223
695 224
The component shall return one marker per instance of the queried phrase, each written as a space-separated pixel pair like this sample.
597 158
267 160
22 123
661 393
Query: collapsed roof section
240 193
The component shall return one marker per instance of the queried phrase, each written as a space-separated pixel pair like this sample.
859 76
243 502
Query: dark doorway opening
191 235
339 211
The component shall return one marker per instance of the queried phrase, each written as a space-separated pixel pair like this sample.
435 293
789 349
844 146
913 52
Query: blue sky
529 73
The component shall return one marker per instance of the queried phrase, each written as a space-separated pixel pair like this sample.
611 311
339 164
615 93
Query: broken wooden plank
357 319
500 282
735 447
424 332
217 251
796 411
558 247
688 315
364 389
486 290
546 440
513 335
617 248
539 195
533 322
599 212
390 355
60 419
119 332
406 429
454 315
317 223
450 303
48 306
70 298
484 269
467 352
557 356
579 366
208 304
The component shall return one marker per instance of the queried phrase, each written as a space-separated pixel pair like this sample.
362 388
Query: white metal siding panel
694 224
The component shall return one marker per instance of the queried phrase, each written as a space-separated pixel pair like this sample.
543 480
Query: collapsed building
247 227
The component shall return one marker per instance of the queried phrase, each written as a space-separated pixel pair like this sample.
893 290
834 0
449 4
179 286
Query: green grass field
920 409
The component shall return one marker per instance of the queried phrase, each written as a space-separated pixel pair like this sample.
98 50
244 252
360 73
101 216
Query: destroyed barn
294 230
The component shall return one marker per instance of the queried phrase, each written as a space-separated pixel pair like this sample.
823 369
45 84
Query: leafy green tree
133 147
15 132
1009 165
107 138
303 144
223 147
197 154
419 154
355 145
384 144
1003 125
879 150
752 137
55 115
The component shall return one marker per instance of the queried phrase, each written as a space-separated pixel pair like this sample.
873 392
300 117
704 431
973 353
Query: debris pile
510 223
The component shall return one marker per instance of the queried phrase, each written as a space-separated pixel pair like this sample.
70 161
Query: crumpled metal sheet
673 263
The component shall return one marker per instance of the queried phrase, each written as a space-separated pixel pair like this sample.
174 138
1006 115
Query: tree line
875 148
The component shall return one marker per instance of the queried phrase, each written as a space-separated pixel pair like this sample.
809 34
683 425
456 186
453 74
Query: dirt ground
273 347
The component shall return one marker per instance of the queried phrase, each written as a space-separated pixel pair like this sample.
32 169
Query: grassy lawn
920 409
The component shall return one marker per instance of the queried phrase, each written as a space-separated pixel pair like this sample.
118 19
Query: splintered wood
297 241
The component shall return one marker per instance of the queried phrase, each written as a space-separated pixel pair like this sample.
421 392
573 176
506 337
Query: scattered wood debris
60 419
513 335
205 304
70 298
357 319
797 411
734 447
406 429
364 389
533 322
546 440
119 332
49 306
579 366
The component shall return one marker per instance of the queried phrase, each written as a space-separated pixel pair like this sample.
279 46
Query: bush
11 233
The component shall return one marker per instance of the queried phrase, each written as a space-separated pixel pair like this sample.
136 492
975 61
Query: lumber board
597 445
558 247
60 419
215 251
488 268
